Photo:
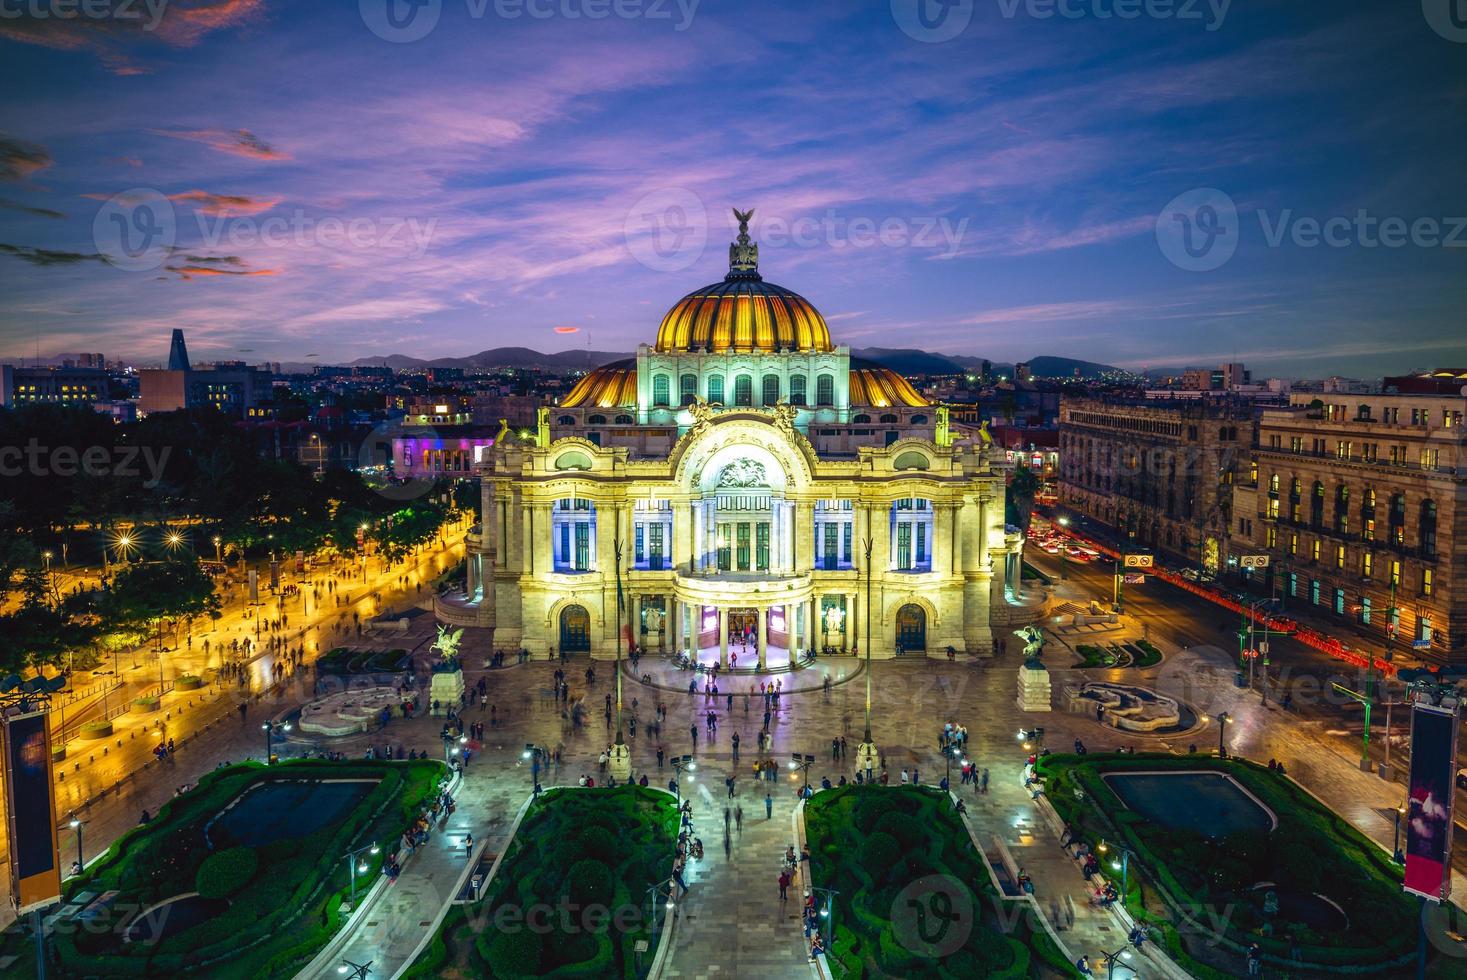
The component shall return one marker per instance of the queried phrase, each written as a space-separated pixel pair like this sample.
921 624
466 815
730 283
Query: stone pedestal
1034 689
619 763
447 689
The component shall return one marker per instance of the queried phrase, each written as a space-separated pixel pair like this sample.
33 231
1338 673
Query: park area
573 893
890 855
243 876
1210 834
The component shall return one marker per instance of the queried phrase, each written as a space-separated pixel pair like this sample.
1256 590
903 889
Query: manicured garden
868 844
1137 653
264 907
593 852
1336 895
346 660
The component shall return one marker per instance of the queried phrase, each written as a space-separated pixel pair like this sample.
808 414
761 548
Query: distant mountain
1046 366
498 357
908 360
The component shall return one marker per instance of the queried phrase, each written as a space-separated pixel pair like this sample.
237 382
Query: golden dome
743 314
874 386
611 385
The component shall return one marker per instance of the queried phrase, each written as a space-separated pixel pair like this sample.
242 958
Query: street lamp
76 825
218 550
1122 864
948 756
798 761
1222 726
1064 549
271 728
866 755
620 759
357 971
533 753
362 868
680 764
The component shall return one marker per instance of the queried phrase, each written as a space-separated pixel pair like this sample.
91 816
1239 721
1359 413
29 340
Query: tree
1022 489
39 634
149 597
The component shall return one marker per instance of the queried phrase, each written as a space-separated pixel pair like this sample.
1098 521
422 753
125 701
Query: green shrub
226 872
590 882
878 853
903 827
515 954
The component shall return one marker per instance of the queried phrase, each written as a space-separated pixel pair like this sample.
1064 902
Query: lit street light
798 761
681 764
272 728
76 825
357 868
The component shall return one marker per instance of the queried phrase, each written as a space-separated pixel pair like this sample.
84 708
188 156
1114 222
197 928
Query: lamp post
534 754
76 825
1123 865
681 764
357 971
271 728
1064 522
1396 854
1222 727
827 910
948 756
798 761
356 869
619 763
218 550
866 755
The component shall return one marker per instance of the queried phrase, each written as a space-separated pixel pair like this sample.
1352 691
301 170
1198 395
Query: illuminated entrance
911 629
575 630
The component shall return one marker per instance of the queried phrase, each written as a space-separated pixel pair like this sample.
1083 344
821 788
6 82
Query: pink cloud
238 142
225 205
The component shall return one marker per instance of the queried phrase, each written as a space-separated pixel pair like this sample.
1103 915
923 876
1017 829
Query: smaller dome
874 386
611 385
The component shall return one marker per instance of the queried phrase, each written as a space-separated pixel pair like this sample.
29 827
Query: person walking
768 807
727 820
739 818
983 782
784 886
1255 960
730 783
694 730
468 845
735 746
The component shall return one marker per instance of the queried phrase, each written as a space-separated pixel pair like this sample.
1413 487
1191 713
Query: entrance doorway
911 629
575 630
742 625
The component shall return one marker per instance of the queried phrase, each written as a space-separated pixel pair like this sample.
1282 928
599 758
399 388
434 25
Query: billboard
35 871
1431 788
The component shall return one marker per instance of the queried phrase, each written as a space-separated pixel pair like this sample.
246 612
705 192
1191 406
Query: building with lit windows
756 492
52 386
1357 503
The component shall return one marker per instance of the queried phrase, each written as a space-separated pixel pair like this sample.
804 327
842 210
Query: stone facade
1356 504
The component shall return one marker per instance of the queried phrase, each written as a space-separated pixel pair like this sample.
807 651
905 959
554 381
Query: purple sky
295 184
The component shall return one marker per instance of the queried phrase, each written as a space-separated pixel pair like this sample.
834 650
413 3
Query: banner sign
35 872
254 577
1134 578
1431 789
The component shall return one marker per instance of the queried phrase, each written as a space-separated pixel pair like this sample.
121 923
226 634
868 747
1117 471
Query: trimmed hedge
867 843
1313 848
588 847
282 911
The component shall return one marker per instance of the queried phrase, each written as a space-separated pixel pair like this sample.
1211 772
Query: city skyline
553 182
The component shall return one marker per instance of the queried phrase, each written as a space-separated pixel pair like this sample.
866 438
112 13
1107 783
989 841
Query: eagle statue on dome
743 255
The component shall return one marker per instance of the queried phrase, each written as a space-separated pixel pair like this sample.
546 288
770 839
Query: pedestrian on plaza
661 752
768 807
739 818
729 782
735 746
784 886
983 782
694 730
727 820
468 845
1255 960
1082 967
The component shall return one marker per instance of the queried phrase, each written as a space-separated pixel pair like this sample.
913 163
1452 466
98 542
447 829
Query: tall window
1316 505
741 534
1367 515
1342 509
743 390
761 546
904 545
825 390
725 551
1428 582
1398 518
1428 528
715 389
771 389
797 390
687 386
661 391
1367 565
583 546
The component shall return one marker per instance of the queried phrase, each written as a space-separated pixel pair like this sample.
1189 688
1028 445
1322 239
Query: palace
744 474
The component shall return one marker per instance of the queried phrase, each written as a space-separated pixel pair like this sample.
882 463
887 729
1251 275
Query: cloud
19 159
239 142
9 205
112 30
191 271
225 205
567 329
46 256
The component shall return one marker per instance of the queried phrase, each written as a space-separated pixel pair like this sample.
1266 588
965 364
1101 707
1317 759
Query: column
696 560
812 624
941 540
675 623
791 636
722 638
471 585
634 607
710 537
681 538
527 537
983 508
761 641
538 542
788 541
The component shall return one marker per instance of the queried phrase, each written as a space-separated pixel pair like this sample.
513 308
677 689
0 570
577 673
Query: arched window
919 419
825 390
862 419
888 419
661 391
715 389
1428 528
566 420
1342 509
597 420
687 389
797 390
743 390
623 420
771 389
